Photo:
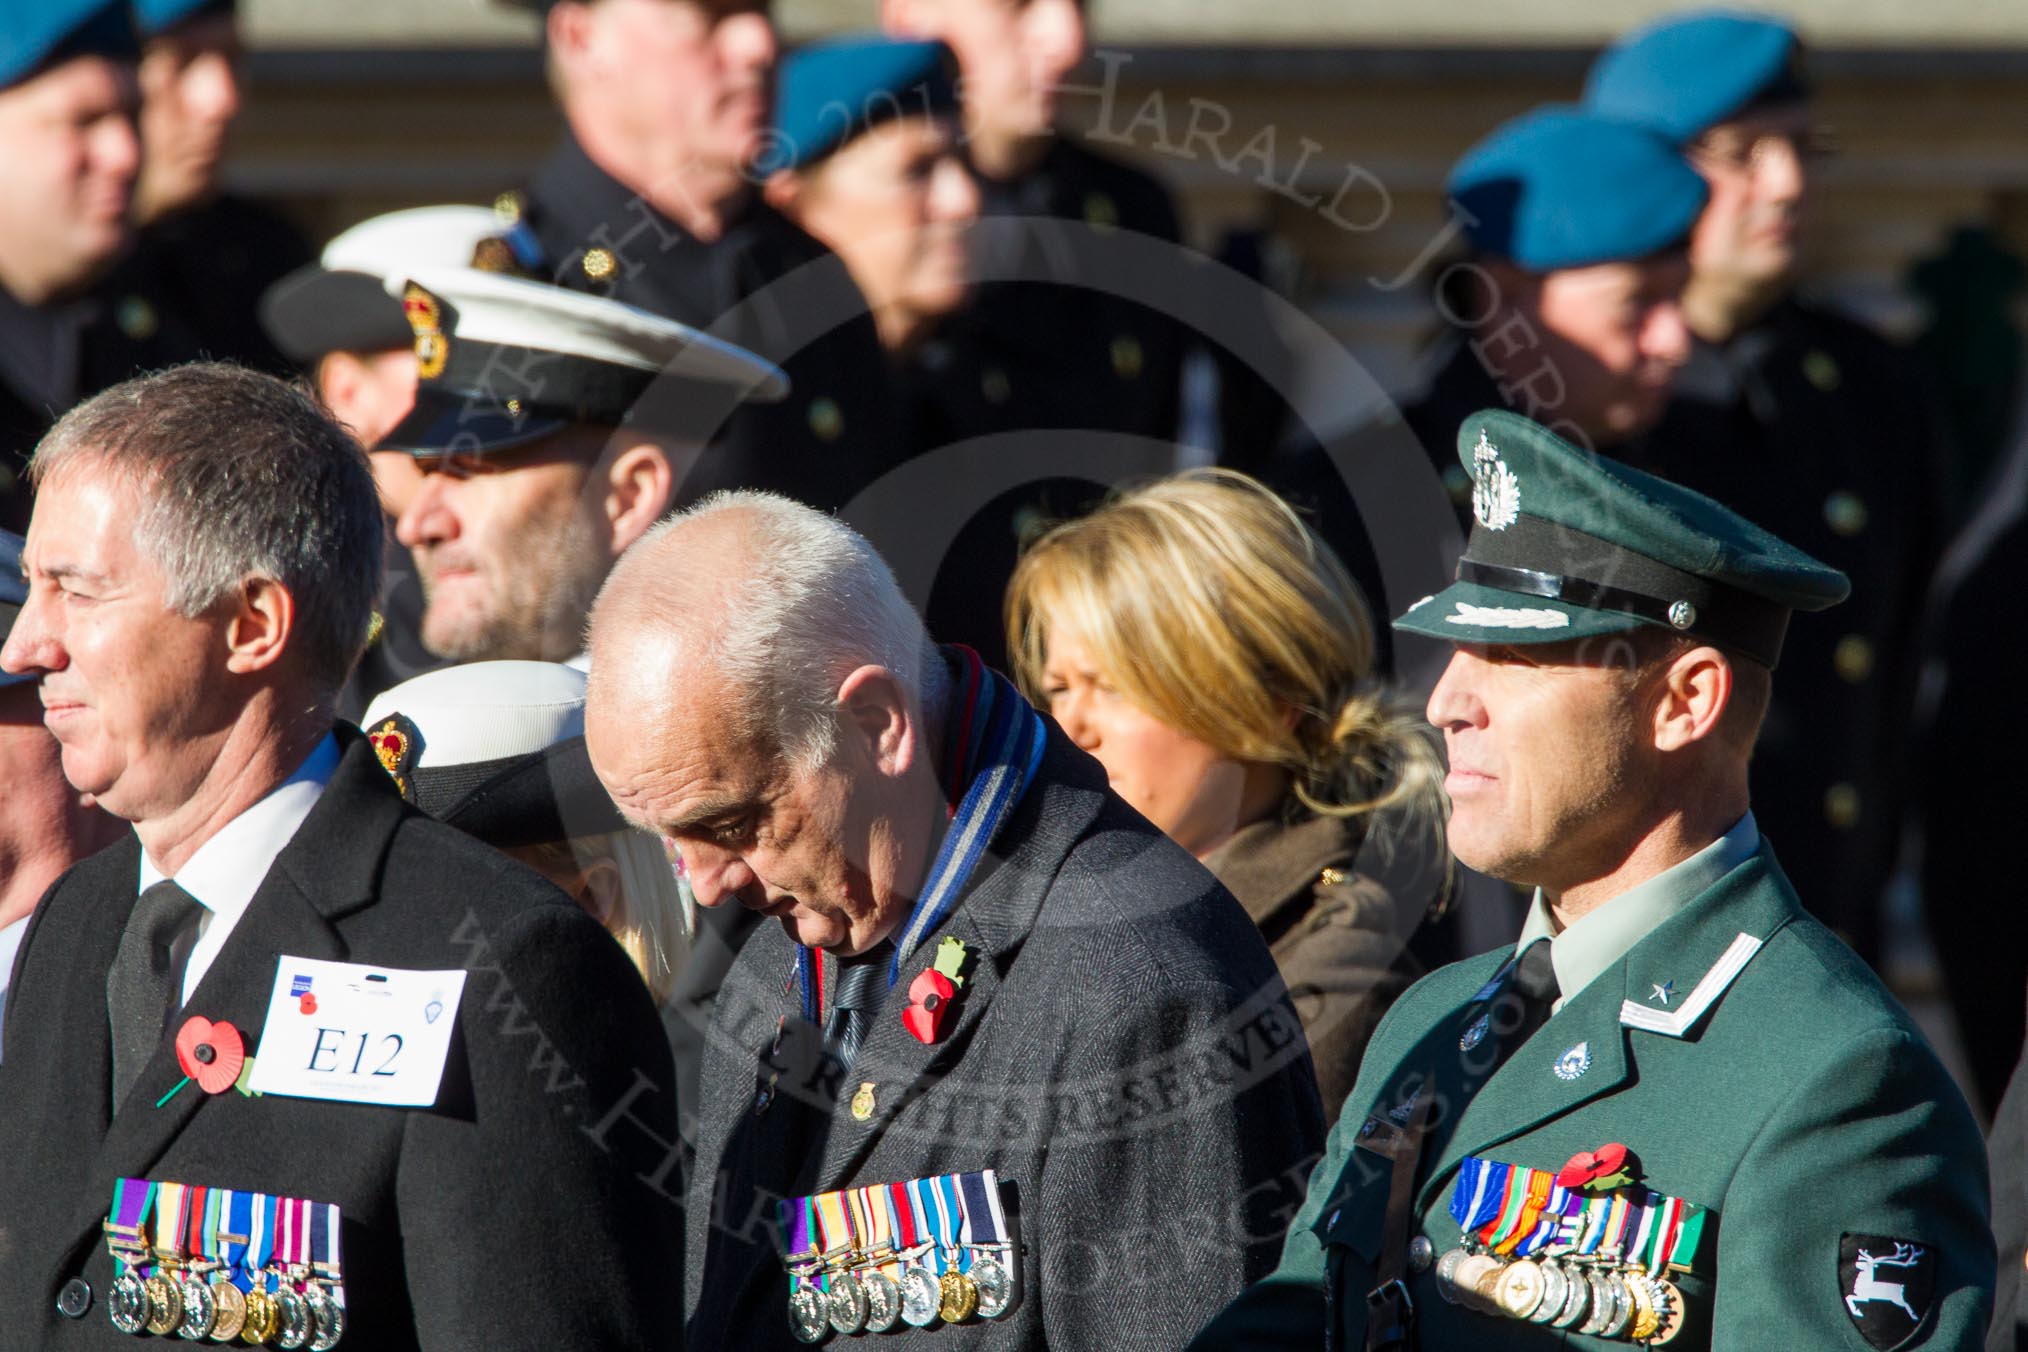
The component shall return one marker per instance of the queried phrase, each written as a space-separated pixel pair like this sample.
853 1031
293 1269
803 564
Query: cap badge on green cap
1496 493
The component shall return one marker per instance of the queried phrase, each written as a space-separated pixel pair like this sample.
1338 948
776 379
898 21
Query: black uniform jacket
1122 1052
522 1210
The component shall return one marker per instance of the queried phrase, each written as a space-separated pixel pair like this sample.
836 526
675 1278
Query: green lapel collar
1678 974
1583 1051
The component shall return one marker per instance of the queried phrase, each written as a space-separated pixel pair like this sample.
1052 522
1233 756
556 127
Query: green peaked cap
1569 544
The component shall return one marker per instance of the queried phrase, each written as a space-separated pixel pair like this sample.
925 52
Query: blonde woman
1197 638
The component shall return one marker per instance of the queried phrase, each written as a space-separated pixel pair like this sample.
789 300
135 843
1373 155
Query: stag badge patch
1888 1285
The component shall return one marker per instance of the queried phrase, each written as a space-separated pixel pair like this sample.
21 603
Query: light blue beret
830 92
1686 74
1561 188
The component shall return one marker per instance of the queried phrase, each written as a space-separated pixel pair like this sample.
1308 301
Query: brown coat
1338 935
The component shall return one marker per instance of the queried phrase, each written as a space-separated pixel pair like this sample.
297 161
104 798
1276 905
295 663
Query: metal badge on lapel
1574 1063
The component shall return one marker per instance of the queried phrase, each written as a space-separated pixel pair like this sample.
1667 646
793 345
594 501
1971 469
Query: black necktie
861 983
1535 982
141 987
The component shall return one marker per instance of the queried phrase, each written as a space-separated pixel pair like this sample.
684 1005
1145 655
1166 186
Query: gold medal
1474 1278
229 1316
957 1298
262 1320
165 1306
1521 1288
1645 1321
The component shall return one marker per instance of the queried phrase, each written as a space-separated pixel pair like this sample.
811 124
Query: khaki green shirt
1604 935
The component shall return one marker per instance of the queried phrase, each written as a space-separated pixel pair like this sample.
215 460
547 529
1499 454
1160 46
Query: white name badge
337 1030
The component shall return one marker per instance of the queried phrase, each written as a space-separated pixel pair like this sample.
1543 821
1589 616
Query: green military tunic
1752 1065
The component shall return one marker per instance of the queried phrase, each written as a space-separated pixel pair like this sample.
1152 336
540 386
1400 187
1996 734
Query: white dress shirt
228 869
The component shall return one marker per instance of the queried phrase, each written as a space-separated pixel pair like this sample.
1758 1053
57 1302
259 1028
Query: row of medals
196 1306
864 1299
1603 1299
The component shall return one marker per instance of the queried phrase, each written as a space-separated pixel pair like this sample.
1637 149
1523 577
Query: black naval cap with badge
503 362
1567 544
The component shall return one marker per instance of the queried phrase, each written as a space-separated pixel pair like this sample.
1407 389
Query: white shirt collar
227 869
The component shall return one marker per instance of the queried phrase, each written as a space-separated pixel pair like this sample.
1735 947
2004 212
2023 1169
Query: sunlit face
190 94
896 203
1186 787
67 140
510 552
1613 334
822 851
1014 55
1547 757
1758 169
686 72
137 695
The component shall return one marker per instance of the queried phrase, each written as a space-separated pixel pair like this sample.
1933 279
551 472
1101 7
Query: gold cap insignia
398 742
425 317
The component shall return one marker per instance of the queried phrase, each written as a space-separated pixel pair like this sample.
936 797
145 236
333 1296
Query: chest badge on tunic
1574 1063
1475 1032
863 1102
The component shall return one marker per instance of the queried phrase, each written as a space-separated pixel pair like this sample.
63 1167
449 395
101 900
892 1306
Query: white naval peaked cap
506 311
495 749
340 302
486 711
418 237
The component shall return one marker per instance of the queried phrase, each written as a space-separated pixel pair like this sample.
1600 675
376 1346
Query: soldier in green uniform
1678 1109
1808 422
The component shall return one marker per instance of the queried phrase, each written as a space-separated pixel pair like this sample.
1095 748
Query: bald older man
1005 989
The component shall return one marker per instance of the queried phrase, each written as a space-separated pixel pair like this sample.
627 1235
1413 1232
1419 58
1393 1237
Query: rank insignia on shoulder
1889 1285
398 742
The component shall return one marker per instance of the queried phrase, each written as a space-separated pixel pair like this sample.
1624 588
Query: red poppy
929 998
210 1053
1589 1166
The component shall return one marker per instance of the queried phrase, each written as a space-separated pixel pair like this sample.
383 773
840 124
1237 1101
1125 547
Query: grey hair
809 602
239 475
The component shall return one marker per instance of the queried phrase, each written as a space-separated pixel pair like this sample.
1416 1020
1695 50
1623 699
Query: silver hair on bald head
807 602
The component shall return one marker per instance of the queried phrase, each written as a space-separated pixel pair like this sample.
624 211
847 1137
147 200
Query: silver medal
846 1305
199 1308
1555 1291
809 1320
293 1318
328 1316
920 1297
127 1303
995 1283
883 1300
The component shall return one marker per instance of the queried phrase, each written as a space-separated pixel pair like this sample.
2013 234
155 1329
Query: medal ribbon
985 1222
1684 1250
907 1234
210 1241
834 1227
1511 1199
876 1231
922 1194
951 1220
172 1217
1551 1219
133 1198
1642 1228
1671 1216
1539 1183
260 1243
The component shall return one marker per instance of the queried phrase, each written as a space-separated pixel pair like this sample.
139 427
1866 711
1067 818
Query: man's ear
783 191
1691 697
258 630
639 483
877 716
569 31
